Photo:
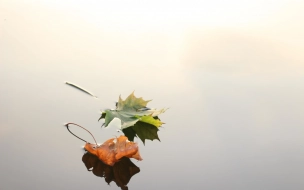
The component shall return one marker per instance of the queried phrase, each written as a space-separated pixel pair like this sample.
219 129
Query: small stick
67 125
81 89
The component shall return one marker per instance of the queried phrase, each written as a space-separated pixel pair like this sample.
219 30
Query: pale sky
240 36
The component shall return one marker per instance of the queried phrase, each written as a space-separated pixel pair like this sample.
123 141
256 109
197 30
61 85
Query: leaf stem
67 125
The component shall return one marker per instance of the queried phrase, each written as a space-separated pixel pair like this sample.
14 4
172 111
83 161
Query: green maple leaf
145 131
136 119
130 133
132 110
150 120
142 130
131 103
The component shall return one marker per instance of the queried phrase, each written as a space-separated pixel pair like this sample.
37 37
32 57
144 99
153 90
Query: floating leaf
127 119
132 110
110 152
145 131
131 103
130 133
142 130
150 120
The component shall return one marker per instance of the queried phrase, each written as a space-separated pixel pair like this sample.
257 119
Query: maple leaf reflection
121 172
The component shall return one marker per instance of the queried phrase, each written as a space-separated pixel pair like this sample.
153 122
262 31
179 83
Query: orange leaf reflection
121 172
111 152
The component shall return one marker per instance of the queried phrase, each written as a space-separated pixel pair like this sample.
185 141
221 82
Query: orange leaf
111 152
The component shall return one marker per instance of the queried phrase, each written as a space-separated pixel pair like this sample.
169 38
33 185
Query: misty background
230 72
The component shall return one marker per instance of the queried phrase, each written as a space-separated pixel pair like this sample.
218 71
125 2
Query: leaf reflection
121 172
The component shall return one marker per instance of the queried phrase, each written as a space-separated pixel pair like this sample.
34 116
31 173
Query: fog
230 72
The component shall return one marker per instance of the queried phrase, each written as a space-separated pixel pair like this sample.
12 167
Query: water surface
235 101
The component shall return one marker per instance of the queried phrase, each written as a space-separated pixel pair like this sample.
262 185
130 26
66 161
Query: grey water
233 122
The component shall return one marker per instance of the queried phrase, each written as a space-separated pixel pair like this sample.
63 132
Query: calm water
229 125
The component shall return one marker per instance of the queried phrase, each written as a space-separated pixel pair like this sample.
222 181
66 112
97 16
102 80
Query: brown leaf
111 152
